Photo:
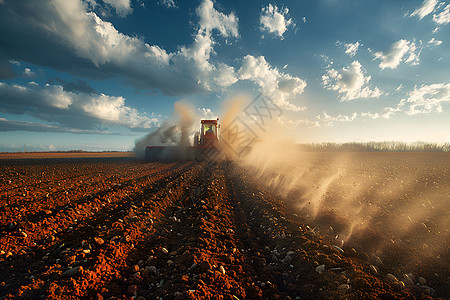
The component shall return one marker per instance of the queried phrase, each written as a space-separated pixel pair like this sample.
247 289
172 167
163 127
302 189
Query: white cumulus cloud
168 3
351 49
275 20
281 88
385 113
425 9
80 42
122 7
422 100
14 125
28 73
298 122
330 120
401 50
441 12
76 110
351 82
442 18
211 19
434 42
427 98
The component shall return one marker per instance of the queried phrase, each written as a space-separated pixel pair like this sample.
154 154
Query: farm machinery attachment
205 146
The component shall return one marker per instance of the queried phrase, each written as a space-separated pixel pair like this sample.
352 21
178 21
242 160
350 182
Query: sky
97 75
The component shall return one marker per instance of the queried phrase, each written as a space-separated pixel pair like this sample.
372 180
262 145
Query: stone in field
320 269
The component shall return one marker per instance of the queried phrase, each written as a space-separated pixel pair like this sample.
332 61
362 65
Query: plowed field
117 227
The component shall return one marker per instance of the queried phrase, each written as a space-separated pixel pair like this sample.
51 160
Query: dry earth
117 227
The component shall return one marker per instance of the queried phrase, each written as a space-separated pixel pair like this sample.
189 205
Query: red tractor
207 137
205 146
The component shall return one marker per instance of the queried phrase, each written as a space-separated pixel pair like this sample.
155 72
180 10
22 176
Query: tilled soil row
233 241
51 203
103 213
184 231
20 176
293 261
194 253
59 192
34 229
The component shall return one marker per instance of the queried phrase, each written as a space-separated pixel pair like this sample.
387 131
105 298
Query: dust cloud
186 123
174 133
390 208
231 109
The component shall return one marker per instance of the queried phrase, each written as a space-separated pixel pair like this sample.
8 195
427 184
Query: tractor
205 146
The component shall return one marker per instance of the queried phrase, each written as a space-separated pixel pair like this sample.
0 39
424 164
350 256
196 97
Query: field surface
111 226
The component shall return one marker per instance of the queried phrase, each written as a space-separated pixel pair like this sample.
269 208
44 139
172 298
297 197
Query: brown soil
116 227
75 154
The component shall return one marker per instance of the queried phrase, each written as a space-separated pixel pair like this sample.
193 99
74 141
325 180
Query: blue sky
97 75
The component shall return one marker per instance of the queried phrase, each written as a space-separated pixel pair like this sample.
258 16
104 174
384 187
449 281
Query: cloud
427 98
15 62
122 7
281 88
425 9
168 3
206 114
275 20
441 15
12 125
210 76
351 82
442 18
320 120
80 42
299 122
385 113
28 73
326 118
395 55
434 42
351 49
211 19
422 100
52 103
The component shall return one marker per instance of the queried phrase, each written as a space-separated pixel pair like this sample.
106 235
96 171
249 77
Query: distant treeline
85 151
378 147
88 151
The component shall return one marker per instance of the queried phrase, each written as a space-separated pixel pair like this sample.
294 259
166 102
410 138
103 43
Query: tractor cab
208 135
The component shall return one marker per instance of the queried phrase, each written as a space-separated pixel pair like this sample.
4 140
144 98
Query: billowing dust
176 131
390 208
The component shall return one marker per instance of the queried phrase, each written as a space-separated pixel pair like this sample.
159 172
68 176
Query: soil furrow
123 229
67 247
